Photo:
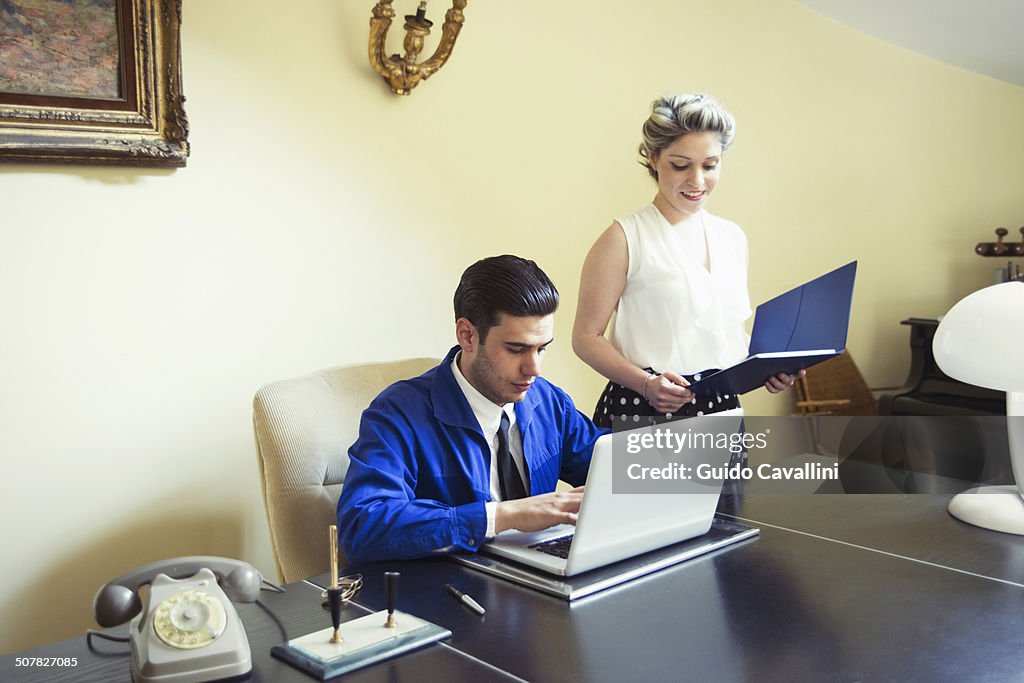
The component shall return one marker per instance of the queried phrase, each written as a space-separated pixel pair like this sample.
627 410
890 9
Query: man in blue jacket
476 445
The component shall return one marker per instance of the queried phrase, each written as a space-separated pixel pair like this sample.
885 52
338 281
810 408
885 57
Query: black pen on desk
465 599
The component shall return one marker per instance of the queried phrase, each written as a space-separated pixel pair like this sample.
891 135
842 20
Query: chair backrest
304 428
835 387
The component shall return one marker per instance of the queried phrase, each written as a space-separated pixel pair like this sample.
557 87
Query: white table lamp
980 341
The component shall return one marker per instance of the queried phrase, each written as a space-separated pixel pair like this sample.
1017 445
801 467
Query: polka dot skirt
622 407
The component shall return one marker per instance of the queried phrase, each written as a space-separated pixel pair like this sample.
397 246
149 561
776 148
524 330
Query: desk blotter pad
366 641
722 533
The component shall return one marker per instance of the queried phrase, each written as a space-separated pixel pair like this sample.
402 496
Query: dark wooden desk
837 588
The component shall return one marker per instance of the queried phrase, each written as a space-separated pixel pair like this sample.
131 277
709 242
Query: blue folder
798 329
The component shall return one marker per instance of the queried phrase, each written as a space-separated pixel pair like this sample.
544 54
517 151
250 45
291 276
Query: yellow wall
322 220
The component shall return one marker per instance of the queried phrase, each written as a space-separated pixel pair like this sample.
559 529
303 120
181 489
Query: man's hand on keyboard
539 512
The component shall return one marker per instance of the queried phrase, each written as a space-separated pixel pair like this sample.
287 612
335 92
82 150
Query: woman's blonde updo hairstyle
673 116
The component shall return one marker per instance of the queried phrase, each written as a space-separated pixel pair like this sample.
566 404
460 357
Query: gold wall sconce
403 73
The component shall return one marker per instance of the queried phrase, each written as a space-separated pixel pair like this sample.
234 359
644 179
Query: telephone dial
187 631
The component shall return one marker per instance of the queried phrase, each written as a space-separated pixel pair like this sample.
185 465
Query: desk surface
295 613
837 588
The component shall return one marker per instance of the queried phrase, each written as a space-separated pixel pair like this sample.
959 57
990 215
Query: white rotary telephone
188 631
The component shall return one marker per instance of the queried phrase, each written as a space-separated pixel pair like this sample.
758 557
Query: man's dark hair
503 284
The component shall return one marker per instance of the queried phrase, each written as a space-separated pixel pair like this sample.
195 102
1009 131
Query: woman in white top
674 275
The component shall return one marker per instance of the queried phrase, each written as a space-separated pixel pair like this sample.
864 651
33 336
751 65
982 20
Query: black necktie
508 474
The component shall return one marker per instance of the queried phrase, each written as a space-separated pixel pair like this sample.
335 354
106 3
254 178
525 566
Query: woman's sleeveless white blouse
674 314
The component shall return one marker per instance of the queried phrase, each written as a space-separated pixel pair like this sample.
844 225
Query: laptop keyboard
559 547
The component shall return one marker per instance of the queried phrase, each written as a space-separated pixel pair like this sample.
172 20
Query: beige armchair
303 429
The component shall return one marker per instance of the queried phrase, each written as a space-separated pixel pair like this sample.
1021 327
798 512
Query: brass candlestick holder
403 73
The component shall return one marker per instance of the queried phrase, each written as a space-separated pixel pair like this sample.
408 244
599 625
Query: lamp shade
981 338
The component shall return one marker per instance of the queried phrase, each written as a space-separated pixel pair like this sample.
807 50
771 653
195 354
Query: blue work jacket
419 473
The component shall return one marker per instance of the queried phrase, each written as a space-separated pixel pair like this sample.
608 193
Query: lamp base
999 508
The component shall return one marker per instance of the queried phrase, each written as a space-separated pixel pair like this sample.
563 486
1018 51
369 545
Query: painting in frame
92 82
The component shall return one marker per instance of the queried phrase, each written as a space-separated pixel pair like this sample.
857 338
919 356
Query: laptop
798 329
612 527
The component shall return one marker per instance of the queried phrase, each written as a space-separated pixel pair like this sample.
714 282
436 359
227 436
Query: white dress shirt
488 414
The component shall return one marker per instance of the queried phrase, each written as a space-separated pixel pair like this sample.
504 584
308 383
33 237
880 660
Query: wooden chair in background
832 388
835 387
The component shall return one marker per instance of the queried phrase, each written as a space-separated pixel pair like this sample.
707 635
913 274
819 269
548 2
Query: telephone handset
188 631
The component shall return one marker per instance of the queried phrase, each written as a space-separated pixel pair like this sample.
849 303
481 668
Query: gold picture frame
137 118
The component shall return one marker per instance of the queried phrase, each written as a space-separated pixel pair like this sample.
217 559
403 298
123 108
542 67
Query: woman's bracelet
643 391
